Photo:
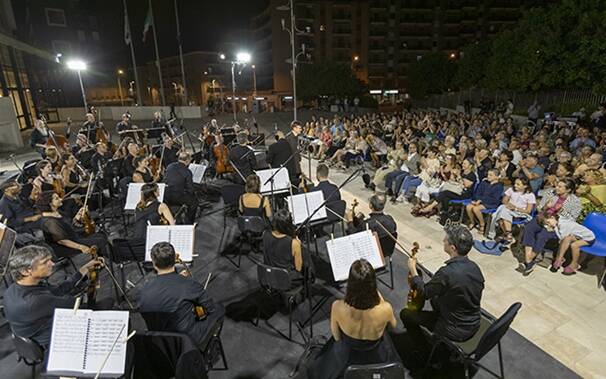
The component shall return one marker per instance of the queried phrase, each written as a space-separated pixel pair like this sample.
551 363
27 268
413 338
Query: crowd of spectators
465 167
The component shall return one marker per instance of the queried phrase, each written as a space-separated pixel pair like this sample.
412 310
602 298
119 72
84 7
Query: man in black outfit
330 191
455 292
242 158
14 213
376 217
124 124
89 128
30 302
279 154
128 167
180 186
293 140
177 295
100 158
170 151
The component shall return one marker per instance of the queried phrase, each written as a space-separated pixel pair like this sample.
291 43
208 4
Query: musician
177 295
100 158
243 158
30 302
52 155
13 210
252 203
281 248
330 191
82 150
376 216
142 173
150 211
279 154
124 124
180 186
455 292
128 166
44 180
59 231
293 140
89 128
39 137
171 150
71 176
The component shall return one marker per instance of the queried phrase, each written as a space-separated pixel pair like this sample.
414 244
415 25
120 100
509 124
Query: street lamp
293 29
254 68
78 65
242 58
120 73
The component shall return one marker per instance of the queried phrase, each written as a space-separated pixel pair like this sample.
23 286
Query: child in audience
573 236
518 202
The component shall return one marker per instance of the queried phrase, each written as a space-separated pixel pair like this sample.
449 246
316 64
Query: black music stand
7 244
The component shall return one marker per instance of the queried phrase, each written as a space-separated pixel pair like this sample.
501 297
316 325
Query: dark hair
163 255
138 161
41 165
377 203
322 171
526 182
66 156
295 123
282 222
25 258
148 193
570 184
253 184
361 290
43 203
508 153
460 237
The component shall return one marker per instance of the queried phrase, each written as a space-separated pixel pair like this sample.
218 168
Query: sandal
555 266
568 270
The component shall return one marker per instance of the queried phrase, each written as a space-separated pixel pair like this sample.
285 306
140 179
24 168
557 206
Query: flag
148 23
127 39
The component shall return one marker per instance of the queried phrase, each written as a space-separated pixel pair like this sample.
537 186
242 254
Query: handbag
452 187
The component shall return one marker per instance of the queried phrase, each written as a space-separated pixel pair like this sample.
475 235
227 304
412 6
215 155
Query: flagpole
181 55
132 53
151 10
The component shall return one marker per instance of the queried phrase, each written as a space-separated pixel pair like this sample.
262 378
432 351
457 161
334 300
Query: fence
563 102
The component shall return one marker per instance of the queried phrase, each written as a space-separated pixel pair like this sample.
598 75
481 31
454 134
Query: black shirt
150 214
29 309
37 137
294 147
330 191
173 293
128 168
122 126
243 158
98 162
373 221
15 212
455 292
279 153
89 129
179 180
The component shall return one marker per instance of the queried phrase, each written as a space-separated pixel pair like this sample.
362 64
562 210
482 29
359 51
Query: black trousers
189 200
413 320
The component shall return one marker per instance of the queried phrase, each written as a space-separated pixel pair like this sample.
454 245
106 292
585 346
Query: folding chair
230 193
29 352
470 352
380 371
127 251
251 231
388 246
597 223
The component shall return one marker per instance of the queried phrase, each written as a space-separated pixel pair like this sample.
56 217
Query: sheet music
68 340
304 204
180 236
105 326
344 251
197 171
281 182
134 195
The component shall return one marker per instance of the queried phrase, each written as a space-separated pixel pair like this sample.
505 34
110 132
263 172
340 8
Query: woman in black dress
252 203
358 325
281 248
142 173
150 211
71 176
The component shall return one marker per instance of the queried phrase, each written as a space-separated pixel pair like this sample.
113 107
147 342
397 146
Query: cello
221 154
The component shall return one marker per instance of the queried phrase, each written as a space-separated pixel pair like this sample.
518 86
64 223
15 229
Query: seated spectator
358 324
410 166
572 236
430 165
518 202
486 196
506 167
530 170
395 159
592 193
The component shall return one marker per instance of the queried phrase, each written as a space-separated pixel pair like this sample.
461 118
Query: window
81 36
61 47
96 36
55 17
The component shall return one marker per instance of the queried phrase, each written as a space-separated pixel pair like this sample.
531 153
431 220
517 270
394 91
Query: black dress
253 212
336 356
144 215
277 252
58 229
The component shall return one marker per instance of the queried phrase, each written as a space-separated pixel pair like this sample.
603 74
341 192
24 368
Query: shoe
555 266
389 192
528 268
401 198
568 270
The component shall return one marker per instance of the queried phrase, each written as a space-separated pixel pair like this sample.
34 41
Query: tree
471 67
327 79
431 74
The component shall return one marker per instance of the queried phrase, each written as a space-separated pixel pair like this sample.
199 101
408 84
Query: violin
198 309
85 218
58 186
414 300
356 218
93 280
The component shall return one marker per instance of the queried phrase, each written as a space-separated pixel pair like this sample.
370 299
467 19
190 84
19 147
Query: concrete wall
138 113
10 135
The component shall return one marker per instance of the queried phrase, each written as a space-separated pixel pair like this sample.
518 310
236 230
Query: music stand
7 244
155 133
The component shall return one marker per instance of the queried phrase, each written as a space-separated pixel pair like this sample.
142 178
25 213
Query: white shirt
567 227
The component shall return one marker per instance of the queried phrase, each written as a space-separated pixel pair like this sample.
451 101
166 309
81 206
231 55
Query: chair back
159 321
496 331
251 224
128 250
597 223
392 370
338 207
388 244
28 350
273 278
230 193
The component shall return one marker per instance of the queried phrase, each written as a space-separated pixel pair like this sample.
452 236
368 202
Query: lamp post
78 65
120 73
290 7
242 58
254 69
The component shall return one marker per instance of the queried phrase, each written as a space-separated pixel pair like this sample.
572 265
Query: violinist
124 124
170 292
455 291
30 302
44 181
39 137
171 151
142 173
52 155
89 128
128 167
14 212
82 150
59 230
72 177
100 158
376 216
150 210
252 203
180 186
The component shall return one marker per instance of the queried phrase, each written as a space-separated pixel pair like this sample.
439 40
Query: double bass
221 155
